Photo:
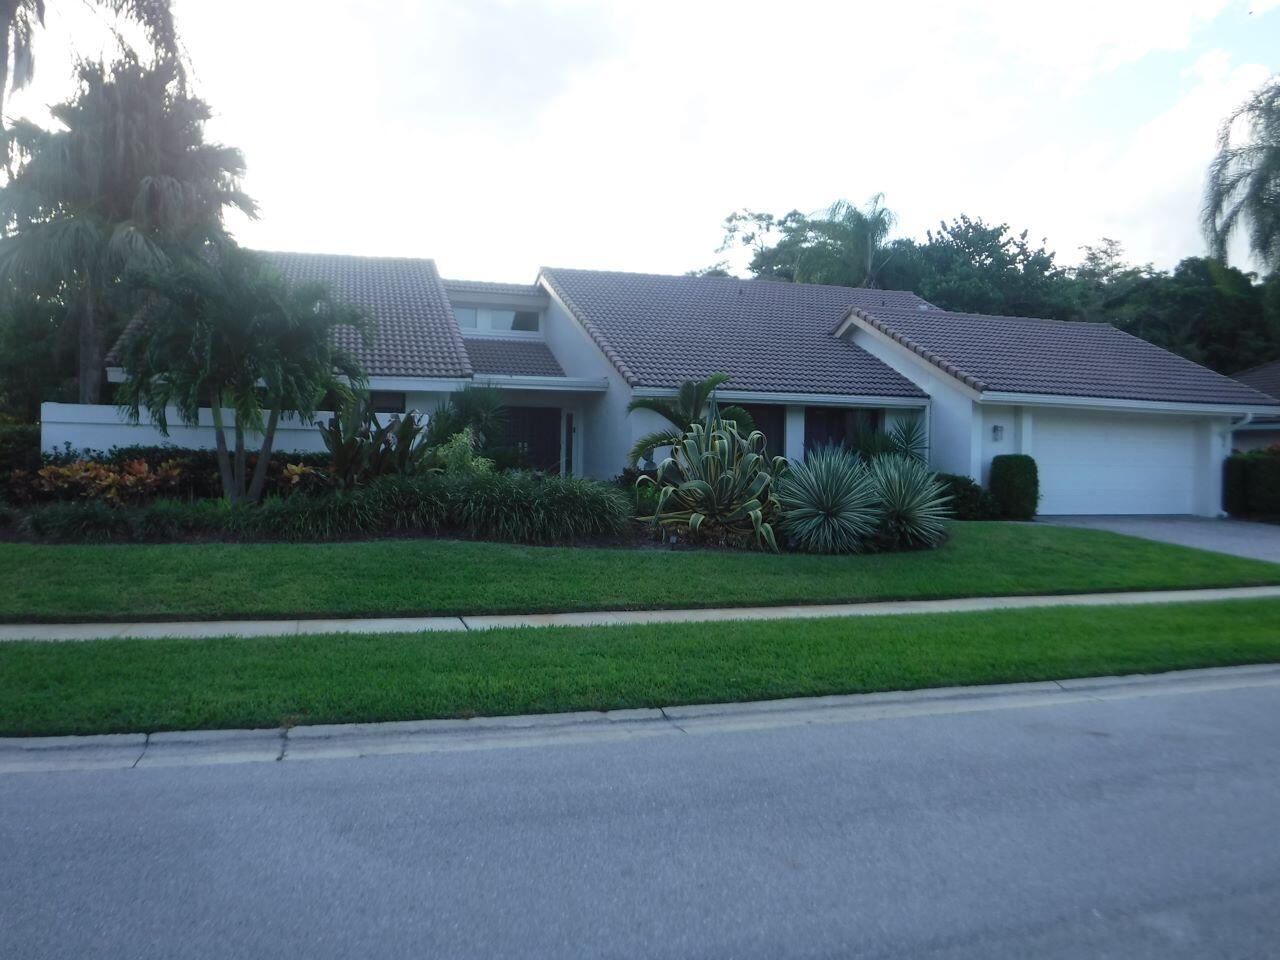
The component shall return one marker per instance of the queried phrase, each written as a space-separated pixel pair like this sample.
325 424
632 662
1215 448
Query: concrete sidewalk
351 740
277 628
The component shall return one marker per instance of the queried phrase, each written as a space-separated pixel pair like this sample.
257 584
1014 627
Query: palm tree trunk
89 348
220 444
239 468
264 456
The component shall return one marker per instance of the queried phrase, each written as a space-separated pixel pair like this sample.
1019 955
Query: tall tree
844 245
19 20
1244 179
227 331
129 180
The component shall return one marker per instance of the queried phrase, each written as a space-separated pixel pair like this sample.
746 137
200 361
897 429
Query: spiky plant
912 501
1244 179
693 402
907 437
717 485
828 503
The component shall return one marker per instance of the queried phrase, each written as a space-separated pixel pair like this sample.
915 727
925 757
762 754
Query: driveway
1261 541
1132 828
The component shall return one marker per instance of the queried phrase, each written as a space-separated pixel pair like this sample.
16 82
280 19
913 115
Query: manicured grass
108 686
419 577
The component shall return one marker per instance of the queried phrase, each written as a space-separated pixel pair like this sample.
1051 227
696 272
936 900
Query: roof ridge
347 256
771 281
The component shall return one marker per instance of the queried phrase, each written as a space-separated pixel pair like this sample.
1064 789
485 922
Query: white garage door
1107 463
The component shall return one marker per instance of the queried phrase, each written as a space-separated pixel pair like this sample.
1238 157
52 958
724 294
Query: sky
498 136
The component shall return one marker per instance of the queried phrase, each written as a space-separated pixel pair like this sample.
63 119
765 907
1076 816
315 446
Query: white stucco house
1116 425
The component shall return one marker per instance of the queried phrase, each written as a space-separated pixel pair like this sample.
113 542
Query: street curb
334 741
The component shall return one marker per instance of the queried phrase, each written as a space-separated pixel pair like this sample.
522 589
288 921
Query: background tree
129 181
19 20
687 407
35 364
1244 179
843 246
228 332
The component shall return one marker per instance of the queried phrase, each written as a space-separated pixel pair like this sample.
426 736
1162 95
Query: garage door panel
1101 463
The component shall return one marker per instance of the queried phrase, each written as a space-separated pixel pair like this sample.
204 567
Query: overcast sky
500 136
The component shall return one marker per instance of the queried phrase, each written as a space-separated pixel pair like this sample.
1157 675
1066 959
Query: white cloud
496 136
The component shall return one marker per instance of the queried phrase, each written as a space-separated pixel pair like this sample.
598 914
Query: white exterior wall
101 427
953 420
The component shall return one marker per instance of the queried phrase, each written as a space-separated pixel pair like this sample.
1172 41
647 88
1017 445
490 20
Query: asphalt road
1133 828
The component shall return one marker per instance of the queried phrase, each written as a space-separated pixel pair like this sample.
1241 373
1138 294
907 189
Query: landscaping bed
116 686
443 577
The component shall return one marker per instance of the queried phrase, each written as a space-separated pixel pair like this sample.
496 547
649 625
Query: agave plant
829 503
717 482
912 502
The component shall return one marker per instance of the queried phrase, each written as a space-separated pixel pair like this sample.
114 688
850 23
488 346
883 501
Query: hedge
515 506
1251 484
19 448
1015 485
968 500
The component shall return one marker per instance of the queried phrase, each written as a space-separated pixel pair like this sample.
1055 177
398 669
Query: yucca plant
717 483
907 437
912 502
829 503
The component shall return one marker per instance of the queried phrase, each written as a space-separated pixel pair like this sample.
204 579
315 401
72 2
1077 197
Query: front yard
106 686
424 577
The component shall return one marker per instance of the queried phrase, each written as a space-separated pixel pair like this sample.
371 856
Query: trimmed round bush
968 500
1015 484
913 504
829 503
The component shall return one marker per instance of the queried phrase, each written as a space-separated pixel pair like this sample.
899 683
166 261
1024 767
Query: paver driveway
1239 537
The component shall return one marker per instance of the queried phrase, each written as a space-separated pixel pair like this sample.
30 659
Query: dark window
386 401
837 426
771 421
532 437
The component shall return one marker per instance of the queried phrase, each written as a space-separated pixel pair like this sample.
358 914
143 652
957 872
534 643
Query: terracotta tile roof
1264 378
522 358
767 335
416 335
1030 355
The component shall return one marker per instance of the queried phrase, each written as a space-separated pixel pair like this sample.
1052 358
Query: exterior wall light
997 432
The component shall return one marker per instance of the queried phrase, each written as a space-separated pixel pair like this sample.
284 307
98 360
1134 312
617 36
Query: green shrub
1264 485
406 504
717 485
968 500
84 521
19 448
913 506
828 503
1235 485
1015 485
527 508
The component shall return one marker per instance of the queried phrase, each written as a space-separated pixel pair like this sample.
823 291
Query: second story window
497 320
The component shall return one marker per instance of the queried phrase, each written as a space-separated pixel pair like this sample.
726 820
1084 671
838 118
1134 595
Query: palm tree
19 20
689 406
847 246
1244 179
227 331
128 181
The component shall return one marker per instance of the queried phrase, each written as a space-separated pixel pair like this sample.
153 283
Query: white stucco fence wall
100 427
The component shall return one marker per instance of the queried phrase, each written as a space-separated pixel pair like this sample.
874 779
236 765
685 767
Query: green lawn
135 685
419 577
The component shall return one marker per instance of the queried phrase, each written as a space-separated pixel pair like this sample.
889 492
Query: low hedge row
1251 484
514 506
19 448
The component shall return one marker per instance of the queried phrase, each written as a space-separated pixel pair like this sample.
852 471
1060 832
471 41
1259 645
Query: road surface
1126 828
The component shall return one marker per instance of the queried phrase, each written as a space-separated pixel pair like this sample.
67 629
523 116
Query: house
1259 432
1115 424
